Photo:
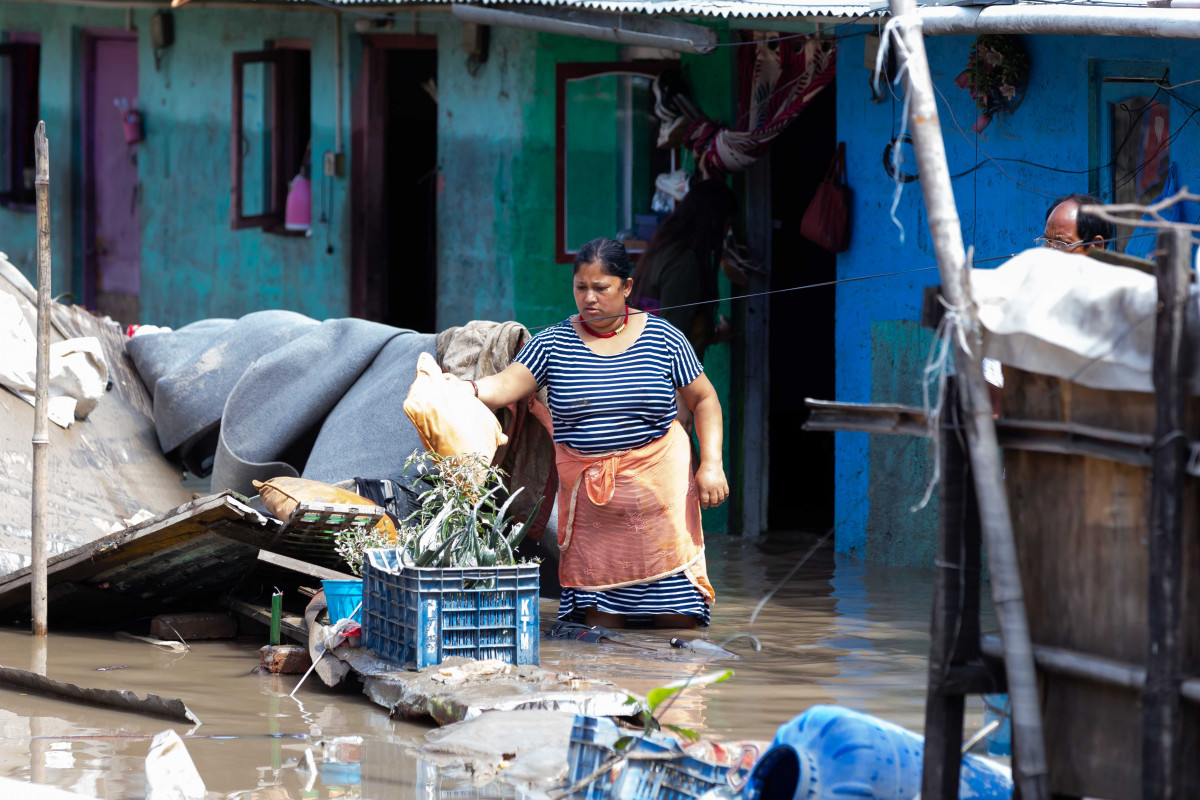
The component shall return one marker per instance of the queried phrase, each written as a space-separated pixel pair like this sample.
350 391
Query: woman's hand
711 485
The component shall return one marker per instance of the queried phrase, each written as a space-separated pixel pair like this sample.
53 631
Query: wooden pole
1028 741
954 631
41 433
1161 722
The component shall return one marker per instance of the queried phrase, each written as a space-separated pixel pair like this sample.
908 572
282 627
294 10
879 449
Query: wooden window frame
284 62
565 72
21 146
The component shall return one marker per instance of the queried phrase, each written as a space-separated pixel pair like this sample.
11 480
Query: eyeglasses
1055 244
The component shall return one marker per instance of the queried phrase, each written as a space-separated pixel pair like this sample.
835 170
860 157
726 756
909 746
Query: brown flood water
840 634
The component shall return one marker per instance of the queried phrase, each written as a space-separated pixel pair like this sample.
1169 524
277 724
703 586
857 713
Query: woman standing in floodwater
628 505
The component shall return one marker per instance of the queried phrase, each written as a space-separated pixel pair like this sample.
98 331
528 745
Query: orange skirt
630 516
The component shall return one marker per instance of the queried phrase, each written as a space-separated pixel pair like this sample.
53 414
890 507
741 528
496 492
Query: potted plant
996 76
461 521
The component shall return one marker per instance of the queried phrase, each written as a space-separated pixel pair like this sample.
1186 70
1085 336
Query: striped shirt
618 402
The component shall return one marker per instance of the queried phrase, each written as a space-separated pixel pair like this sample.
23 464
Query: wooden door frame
755 450
368 180
90 37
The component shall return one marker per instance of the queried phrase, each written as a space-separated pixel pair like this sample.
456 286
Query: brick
285 659
201 625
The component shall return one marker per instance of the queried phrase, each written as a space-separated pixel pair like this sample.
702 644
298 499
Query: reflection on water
848 635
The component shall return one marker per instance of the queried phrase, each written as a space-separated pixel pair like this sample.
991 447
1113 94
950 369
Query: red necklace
611 333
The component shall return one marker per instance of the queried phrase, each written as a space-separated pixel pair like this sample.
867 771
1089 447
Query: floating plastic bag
170 772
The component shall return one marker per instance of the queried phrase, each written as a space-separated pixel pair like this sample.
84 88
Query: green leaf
621 744
657 696
687 733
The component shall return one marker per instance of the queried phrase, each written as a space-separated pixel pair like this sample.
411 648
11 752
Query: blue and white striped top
619 402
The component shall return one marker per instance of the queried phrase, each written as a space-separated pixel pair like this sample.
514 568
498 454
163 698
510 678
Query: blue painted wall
1002 207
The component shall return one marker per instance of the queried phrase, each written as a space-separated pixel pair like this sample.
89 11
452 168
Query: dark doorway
395 170
801 326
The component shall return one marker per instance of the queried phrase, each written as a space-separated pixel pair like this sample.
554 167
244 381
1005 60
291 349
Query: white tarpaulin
78 373
1073 317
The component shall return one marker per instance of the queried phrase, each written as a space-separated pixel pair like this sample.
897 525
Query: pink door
111 189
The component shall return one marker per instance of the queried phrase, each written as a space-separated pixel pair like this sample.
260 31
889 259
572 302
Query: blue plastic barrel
341 598
997 708
833 753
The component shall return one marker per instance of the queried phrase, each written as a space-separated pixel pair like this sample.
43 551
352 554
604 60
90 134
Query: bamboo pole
41 433
1162 725
1029 749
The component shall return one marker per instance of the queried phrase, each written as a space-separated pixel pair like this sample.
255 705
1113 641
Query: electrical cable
819 285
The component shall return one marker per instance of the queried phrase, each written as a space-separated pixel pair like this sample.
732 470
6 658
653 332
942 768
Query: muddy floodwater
840 634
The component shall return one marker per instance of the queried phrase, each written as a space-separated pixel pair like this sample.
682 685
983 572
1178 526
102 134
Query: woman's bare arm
505 388
701 398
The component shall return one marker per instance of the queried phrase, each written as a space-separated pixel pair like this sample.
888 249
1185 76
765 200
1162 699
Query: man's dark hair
1089 226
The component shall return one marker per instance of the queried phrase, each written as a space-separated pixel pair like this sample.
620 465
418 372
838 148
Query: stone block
201 625
285 659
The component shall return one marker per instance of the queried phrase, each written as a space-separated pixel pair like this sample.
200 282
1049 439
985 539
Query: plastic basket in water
682 778
417 617
342 599
593 741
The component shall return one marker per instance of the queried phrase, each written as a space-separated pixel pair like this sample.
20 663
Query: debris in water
170 772
106 669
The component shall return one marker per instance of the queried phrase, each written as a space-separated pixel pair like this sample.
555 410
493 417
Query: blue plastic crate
417 617
593 741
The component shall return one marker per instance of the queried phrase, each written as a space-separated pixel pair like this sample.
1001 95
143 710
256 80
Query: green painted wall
59 28
897 535
193 264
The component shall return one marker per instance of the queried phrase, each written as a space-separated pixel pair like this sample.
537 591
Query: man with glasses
1069 230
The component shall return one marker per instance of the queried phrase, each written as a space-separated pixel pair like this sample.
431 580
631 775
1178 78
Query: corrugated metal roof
711 8
692 8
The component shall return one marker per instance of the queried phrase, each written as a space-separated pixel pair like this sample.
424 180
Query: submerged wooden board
197 550
103 470
1082 541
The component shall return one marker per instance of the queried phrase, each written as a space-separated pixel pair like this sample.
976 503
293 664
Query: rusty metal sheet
121 699
103 470
196 551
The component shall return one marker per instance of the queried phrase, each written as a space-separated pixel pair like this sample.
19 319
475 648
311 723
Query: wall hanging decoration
997 75
778 77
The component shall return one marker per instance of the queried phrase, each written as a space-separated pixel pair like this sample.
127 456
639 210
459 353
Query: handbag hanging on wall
826 221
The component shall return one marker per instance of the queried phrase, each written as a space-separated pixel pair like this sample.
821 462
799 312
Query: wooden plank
1162 758
290 626
304 568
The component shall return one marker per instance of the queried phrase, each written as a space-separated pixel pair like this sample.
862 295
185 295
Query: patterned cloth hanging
779 78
